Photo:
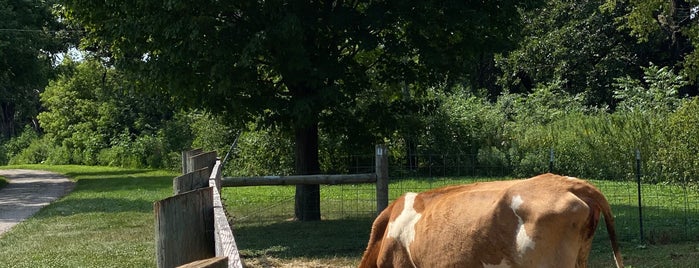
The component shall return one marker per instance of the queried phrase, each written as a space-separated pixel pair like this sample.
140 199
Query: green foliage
572 45
293 65
678 157
30 37
659 96
16 145
210 132
667 26
529 132
599 144
94 115
35 153
262 152
463 124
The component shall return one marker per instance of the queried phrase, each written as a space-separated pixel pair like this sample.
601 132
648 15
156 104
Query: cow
545 221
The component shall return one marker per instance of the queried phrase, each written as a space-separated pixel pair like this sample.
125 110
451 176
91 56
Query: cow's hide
545 221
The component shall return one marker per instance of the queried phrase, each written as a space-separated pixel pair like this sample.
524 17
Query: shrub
17 144
37 152
677 158
59 155
262 152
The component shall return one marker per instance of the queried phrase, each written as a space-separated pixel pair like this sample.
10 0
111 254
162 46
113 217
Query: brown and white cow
544 221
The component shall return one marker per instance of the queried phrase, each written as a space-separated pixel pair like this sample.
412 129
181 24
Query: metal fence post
381 178
638 183
551 160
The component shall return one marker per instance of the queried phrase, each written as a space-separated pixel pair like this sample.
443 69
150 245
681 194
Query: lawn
107 221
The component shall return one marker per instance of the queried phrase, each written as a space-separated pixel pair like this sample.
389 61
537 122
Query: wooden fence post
191 181
201 160
381 178
185 159
184 228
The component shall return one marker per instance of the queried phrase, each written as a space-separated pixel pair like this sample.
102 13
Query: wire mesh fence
669 212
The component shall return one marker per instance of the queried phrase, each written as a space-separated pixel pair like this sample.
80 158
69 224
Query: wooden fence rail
192 229
380 177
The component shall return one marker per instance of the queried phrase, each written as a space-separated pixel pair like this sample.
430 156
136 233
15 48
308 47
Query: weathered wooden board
184 228
191 181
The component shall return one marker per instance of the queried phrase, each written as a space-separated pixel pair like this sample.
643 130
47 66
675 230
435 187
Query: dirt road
27 193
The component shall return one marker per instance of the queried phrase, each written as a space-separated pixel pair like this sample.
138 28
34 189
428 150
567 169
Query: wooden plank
185 159
184 228
299 179
191 181
215 262
203 160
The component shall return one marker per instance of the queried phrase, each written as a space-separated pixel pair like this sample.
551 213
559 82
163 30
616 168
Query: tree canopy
293 63
29 38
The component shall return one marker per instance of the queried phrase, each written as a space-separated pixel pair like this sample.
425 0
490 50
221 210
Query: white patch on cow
524 242
403 227
571 178
502 264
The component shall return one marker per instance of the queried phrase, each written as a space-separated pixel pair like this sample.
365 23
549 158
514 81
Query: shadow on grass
323 239
110 173
120 183
69 207
111 195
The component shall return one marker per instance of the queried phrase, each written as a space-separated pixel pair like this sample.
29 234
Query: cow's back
544 222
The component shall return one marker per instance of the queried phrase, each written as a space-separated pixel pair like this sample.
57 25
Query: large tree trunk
307 206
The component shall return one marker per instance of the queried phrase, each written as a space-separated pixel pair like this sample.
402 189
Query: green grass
107 221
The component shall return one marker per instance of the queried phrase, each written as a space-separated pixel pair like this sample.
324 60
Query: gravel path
27 192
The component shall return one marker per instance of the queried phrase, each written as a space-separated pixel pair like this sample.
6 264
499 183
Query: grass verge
107 221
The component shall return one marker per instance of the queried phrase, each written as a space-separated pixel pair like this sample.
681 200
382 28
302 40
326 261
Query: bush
262 152
36 153
17 144
59 155
677 158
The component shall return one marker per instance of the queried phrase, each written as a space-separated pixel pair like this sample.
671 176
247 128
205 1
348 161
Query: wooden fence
380 177
192 229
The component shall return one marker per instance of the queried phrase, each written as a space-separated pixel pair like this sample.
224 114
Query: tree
29 37
294 64
90 108
670 26
574 46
